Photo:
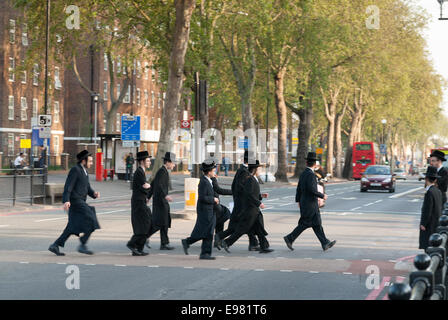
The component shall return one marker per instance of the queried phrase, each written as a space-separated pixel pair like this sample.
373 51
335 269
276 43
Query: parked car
400 174
421 174
378 177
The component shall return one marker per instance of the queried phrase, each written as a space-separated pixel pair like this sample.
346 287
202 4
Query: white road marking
52 219
162 254
355 208
366 259
268 208
258 269
347 273
353 198
120 265
406 192
273 199
288 197
107 212
24 262
369 204
153 266
285 270
4 225
339 259
100 213
223 268
378 201
90 264
61 263
313 271
308 258
330 195
286 204
188 267
393 261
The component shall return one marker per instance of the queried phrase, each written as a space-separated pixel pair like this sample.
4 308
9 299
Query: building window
152 99
57 81
10 144
35 108
12 31
117 122
152 123
146 97
138 97
11 69
159 124
23 77
105 90
56 145
105 61
146 71
159 100
153 74
139 69
146 123
25 34
56 112
118 90
133 94
118 64
36 74
23 108
11 108
127 97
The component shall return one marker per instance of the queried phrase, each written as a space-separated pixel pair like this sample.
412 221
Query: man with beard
206 219
238 182
436 160
161 209
81 217
140 212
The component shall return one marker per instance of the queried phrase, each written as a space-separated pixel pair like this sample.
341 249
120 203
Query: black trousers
254 227
206 247
163 234
66 234
318 231
253 242
138 241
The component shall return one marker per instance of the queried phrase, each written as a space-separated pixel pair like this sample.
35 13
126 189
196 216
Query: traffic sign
25 143
243 143
191 118
185 124
130 128
45 120
131 144
383 149
44 132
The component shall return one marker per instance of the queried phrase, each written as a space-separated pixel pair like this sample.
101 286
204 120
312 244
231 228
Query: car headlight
387 180
364 180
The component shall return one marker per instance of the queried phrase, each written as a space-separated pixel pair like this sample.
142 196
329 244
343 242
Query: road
374 231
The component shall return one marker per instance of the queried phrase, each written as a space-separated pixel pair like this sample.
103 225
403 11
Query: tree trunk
338 139
281 174
305 115
181 32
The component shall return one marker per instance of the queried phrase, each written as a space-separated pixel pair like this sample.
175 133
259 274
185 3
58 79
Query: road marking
100 213
375 293
273 199
62 263
285 270
90 264
286 204
188 267
24 262
288 197
223 268
366 260
313 271
162 254
355 208
52 219
258 269
120 265
378 201
153 266
405 193
339 259
107 212
4 225
268 208
369 204
347 273
308 258
352 198
393 261
331 194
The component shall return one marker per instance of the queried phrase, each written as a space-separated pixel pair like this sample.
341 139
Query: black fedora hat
208 165
431 172
254 165
311 156
439 154
83 155
142 155
169 156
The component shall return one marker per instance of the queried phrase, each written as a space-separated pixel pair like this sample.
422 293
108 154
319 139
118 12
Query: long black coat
222 212
140 213
241 176
431 212
306 195
161 209
442 182
206 219
81 217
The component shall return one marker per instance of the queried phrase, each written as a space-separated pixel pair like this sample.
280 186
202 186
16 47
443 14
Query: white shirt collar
438 169
246 165
85 171
428 187
209 180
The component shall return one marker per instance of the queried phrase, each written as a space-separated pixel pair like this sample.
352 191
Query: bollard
399 291
422 281
437 249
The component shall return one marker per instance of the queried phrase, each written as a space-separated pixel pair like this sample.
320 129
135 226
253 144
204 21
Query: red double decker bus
364 154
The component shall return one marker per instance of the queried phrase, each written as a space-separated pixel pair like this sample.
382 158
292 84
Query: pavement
376 233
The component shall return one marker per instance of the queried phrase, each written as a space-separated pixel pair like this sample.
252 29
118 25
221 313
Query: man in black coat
222 212
431 208
140 212
249 219
436 160
161 218
81 217
238 182
206 219
306 196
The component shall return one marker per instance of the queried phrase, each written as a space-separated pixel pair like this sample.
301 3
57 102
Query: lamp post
441 9
95 97
384 121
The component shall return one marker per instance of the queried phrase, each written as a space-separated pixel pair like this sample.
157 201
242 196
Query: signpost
130 130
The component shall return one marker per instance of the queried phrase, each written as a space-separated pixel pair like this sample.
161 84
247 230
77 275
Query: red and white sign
185 124
191 118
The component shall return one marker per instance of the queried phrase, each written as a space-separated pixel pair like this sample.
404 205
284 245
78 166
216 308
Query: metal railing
429 281
25 184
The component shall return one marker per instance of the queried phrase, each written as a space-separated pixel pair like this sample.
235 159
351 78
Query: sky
436 37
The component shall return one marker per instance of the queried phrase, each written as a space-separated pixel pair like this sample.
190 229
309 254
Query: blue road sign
35 140
383 149
243 143
130 128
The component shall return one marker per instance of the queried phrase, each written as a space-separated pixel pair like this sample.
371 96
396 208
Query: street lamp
441 9
95 97
383 121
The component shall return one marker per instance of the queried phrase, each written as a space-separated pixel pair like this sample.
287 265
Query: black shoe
267 250
143 253
225 246
185 246
147 244
218 242
206 257
254 248
135 251
83 249
166 247
55 249
288 243
215 245
329 245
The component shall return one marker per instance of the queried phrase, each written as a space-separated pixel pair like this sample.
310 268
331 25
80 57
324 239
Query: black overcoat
222 212
140 213
306 195
442 182
160 207
206 219
238 182
81 217
431 211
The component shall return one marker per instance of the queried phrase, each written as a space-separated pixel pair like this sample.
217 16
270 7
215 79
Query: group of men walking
245 218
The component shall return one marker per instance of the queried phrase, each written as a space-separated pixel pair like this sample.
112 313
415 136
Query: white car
400 174
262 176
